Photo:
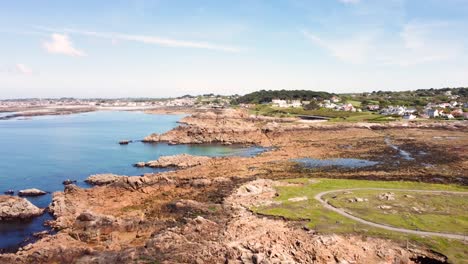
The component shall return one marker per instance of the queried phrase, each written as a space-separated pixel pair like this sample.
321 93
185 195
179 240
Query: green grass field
417 211
336 116
325 221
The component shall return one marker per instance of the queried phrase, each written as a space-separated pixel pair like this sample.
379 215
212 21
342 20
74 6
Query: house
457 113
279 103
408 116
448 116
296 103
433 113
348 107
373 107
335 99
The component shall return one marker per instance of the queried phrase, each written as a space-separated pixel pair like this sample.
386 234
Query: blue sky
160 48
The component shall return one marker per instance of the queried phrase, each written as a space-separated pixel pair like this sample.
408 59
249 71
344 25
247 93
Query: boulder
12 207
31 192
103 179
389 196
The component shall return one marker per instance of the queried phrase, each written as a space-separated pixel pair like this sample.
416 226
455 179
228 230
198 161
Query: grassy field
417 211
335 116
325 221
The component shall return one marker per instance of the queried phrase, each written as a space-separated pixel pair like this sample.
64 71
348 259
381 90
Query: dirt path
318 197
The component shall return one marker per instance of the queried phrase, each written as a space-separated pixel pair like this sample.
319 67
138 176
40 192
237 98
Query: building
433 113
373 107
409 116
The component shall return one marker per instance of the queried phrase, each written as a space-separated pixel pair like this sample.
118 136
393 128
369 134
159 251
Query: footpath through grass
325 221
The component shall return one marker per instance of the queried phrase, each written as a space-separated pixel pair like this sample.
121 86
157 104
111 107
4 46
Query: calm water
44 151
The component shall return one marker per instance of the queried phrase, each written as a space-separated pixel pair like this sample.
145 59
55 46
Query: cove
43 151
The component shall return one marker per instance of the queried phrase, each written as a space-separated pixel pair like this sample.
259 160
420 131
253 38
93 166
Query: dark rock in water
124 142
139 164
31 192
68 182
9 192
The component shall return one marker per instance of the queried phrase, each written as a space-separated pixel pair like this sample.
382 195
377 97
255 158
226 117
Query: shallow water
344 163
44 151
404 154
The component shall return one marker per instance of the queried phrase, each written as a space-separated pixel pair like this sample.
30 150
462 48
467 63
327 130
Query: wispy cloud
18 68
61 44
155 40
23 69
416 43
353 50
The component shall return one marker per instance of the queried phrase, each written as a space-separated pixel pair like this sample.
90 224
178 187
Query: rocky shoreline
199 214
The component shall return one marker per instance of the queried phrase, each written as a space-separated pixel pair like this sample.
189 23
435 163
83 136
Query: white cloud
23 69
167 42
350 1
61 44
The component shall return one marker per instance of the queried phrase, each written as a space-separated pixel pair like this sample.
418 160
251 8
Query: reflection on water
404 154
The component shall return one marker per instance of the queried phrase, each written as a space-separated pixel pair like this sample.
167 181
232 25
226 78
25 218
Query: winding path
318 197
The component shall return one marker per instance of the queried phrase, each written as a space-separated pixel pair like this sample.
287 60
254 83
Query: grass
354 103
417 211
326 221
336 116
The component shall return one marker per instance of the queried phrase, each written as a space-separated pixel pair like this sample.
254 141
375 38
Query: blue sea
43 151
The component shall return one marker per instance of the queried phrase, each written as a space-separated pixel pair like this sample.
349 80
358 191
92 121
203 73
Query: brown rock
12 207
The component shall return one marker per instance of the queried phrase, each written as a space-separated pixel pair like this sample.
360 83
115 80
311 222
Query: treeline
265 96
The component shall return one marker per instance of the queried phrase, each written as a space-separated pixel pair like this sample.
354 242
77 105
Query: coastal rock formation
31 192
12 207
224 127
103 179
179 161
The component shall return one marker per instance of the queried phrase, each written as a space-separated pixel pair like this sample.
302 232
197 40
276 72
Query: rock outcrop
225 127
31 192
178 161
12 207
103 179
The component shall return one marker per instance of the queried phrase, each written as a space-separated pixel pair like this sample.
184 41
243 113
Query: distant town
446 103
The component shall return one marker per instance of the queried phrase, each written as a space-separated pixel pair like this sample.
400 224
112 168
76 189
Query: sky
164 48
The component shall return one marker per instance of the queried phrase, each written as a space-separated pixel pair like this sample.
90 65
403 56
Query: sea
41 152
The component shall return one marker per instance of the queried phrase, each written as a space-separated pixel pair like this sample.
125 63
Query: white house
409 117
296 103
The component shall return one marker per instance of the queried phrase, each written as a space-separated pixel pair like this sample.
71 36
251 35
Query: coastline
117 220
